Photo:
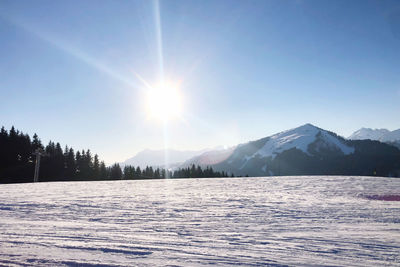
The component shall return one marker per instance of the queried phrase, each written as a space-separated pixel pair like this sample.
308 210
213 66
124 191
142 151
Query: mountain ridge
383 135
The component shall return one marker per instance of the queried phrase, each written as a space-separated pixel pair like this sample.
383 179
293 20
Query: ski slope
274 221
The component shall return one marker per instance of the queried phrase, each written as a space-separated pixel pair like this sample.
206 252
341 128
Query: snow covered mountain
156 158
305 150
301 138
368 133
393 136
381 135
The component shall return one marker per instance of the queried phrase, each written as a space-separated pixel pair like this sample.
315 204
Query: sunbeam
163 104
166 143
157 17
72 51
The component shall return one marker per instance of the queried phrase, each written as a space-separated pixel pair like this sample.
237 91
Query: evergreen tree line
130 172
17 163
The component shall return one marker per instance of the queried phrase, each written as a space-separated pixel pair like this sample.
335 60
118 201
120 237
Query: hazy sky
248 69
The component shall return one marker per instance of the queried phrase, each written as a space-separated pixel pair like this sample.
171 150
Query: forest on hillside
17 163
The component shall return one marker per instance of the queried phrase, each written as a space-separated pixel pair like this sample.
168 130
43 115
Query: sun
164 102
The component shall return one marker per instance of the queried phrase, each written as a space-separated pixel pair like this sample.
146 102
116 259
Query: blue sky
248 69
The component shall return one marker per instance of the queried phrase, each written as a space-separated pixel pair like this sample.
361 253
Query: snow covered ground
247 221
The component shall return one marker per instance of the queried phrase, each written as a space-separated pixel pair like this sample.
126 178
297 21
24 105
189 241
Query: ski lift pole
38 153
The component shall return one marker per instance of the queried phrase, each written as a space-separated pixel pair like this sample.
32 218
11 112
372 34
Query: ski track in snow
274 221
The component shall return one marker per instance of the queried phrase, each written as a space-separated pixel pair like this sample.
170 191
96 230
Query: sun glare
164 102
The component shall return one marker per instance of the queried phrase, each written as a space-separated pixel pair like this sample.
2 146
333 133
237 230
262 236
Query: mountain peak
305 127
310 125
300 138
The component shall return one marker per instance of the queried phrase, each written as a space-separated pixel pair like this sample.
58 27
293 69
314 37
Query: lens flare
164 102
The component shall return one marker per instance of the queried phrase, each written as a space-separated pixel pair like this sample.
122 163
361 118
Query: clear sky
69 70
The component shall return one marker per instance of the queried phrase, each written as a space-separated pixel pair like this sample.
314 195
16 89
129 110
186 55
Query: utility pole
38 153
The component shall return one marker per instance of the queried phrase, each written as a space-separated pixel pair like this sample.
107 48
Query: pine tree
157 174
71 165
104 175
138 172
13 152
96 167
36 143
115 172
59 163
4 145
87 165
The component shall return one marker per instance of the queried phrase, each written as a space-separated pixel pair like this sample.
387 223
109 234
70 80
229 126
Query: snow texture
300 138
278 221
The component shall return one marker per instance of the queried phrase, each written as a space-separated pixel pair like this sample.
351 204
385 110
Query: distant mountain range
156 158
305 150
382 135
368 133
